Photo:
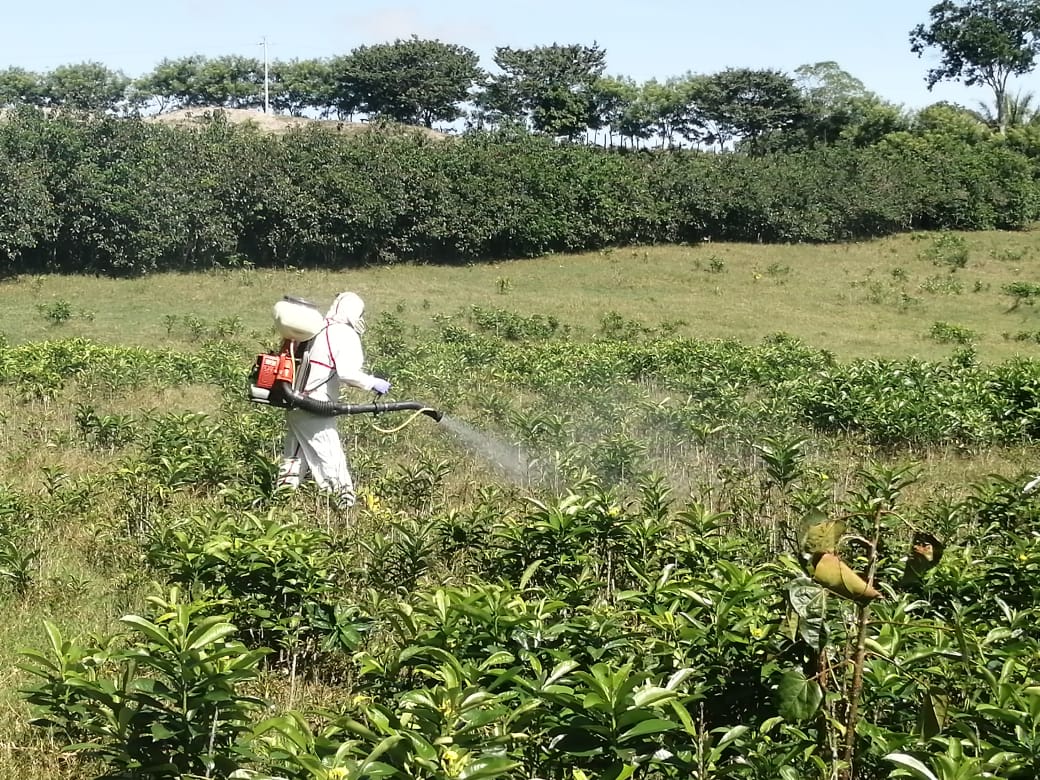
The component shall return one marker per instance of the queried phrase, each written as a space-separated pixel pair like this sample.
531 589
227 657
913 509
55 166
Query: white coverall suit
312 443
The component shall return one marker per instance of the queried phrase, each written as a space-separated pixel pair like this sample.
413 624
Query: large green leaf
622 772
931 717
807 600
651 696
648 726
911 766
800 697
150 630
207 632
54 636
487 767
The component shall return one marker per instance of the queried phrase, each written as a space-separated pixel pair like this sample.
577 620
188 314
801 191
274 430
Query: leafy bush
1022 292
123 196
515 327
57 312
948 249
947 333
278 582
168 705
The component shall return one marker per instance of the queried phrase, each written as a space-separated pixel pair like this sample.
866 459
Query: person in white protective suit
312 443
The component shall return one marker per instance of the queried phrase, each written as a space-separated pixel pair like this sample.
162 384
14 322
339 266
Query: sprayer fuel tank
296 319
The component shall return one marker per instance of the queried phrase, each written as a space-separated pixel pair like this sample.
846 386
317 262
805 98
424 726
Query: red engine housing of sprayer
270 369
297 321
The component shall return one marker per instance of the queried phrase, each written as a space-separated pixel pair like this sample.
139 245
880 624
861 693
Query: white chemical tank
296 319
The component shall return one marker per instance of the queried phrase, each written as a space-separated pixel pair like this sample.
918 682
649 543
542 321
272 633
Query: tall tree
620 105
981 42
552 87
344 98
826 87
872 120
174 83
951 120
839 107
20 86
671 109
231 81
746 104
414 81
301 84
87 85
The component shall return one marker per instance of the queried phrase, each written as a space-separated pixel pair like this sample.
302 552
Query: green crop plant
1008 255
105 431
554 535
290 748
514 327
18 565
452 727
614 720
948 333
942 285
947 249
416 485
1021 293
278 582
618 458
57 312
167 705
615 326
398 559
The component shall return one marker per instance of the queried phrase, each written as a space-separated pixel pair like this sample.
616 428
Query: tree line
558 90
123 196
563 90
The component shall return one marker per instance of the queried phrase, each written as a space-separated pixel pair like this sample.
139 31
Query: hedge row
118 196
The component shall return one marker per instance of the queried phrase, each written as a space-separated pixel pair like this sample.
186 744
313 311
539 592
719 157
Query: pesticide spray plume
508 459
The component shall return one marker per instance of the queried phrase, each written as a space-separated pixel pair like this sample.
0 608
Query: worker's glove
380 386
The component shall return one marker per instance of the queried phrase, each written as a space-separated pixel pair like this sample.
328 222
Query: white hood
349 309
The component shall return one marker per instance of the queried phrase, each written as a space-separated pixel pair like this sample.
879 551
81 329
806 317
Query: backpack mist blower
279 379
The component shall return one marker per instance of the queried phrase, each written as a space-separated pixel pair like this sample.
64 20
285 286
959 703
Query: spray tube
297 400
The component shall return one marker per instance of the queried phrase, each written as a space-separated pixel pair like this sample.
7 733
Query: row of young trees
563 90
125 197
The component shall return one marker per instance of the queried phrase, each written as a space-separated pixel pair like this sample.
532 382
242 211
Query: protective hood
349 309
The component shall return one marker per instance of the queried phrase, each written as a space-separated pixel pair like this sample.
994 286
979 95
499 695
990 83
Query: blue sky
643 38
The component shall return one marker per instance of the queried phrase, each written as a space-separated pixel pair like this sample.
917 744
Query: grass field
924 295
875 299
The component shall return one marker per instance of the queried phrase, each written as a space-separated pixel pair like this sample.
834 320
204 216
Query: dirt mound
272 123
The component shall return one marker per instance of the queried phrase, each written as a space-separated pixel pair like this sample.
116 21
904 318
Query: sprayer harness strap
310 361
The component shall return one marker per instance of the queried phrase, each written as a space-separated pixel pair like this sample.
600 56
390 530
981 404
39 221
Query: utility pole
267 83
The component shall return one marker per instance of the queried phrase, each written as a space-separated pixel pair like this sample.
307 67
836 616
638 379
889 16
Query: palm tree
1019 110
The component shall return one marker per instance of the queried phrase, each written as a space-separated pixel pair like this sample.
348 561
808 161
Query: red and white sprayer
278 379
